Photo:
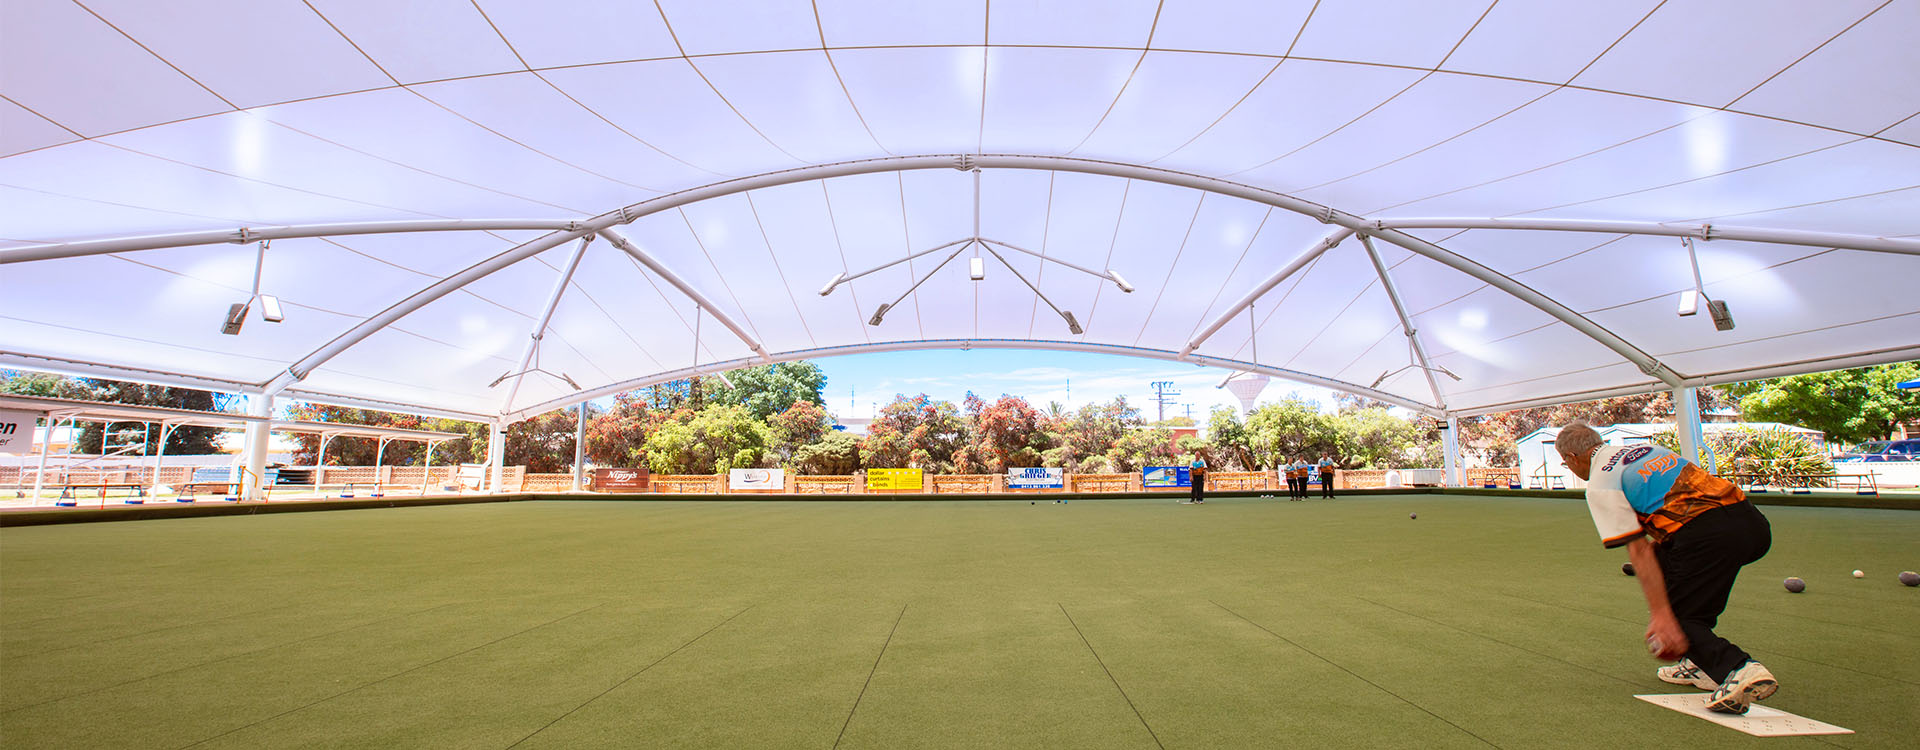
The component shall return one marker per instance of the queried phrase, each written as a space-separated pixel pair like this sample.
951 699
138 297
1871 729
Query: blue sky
856 384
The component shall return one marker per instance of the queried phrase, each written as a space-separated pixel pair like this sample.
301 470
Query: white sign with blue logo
1036 479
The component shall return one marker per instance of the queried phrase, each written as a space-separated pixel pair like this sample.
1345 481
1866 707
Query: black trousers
1700 562
1326 486
1199 490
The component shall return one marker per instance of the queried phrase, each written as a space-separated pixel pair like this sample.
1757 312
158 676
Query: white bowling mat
1759 721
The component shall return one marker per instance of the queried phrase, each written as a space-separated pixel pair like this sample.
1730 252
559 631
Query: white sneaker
1751 682
1686 673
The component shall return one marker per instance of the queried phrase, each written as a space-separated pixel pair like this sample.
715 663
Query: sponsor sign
756 479
1036 479
16 431
1166 476
895 479
620 480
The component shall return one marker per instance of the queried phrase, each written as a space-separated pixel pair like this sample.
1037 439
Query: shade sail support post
1406 323
546 317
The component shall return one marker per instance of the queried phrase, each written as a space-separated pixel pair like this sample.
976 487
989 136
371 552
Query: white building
1540 464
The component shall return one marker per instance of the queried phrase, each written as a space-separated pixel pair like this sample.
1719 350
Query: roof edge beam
1406 321
1866 243
245 235
966 344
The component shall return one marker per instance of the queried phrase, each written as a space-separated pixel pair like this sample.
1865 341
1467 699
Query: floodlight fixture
236 317
270 309
1072 324
1690 299
977 268
1722 318
1122 283
1689 302
833 282
880 314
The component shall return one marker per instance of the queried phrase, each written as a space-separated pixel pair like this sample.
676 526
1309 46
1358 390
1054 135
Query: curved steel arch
966 162
964 344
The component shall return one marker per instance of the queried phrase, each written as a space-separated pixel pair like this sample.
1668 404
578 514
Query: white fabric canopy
749 151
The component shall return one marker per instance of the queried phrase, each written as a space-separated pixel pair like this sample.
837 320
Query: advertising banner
757 479
620 480
1166 476
1036 479
16 431
894 479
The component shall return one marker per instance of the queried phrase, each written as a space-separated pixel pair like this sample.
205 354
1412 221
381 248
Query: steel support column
579 447
1450 448
496 455
259 405
1686 423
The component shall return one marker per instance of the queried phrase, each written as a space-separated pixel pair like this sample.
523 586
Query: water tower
1246 389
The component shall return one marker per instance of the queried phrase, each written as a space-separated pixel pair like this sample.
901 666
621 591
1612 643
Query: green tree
713 441
1230 441
1774 457
1291 428
1848 405
1081 442
766 390
1373 438
834 453
1141 447
916 432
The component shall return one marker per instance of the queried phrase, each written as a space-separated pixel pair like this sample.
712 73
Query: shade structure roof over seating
1458 206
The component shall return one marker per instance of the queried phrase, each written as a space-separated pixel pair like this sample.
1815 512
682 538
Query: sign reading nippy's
16 431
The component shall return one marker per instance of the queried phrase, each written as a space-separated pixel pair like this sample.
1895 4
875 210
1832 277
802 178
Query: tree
1848 405
802 424
1373 438
767 390
183 440
1773 457
834 453
1230 441
1291 428
713 441
543 444
916 432
618 438
363 452
1141 447
1081 442
1493 438
1006 433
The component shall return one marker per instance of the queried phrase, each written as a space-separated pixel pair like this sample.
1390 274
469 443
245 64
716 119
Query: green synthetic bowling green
1245 622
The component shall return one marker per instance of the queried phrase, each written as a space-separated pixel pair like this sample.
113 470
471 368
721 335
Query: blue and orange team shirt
1646 489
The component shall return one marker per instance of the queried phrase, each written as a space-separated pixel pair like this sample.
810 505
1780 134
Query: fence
437 479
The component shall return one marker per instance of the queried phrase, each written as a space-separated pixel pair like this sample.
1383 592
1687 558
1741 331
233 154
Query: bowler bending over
1688 533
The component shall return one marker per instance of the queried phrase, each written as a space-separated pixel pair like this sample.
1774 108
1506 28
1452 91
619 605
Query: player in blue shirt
1688 534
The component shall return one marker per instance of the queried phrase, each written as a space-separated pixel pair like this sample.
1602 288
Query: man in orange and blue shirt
1688 534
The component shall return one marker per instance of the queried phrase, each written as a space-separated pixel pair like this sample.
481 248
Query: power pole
1163 394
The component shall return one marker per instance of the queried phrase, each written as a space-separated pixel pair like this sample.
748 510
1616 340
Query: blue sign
1036 479
1166 476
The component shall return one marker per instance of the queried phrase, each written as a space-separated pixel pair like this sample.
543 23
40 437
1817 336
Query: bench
67 500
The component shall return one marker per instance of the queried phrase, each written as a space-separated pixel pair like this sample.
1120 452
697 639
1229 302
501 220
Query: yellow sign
894 479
